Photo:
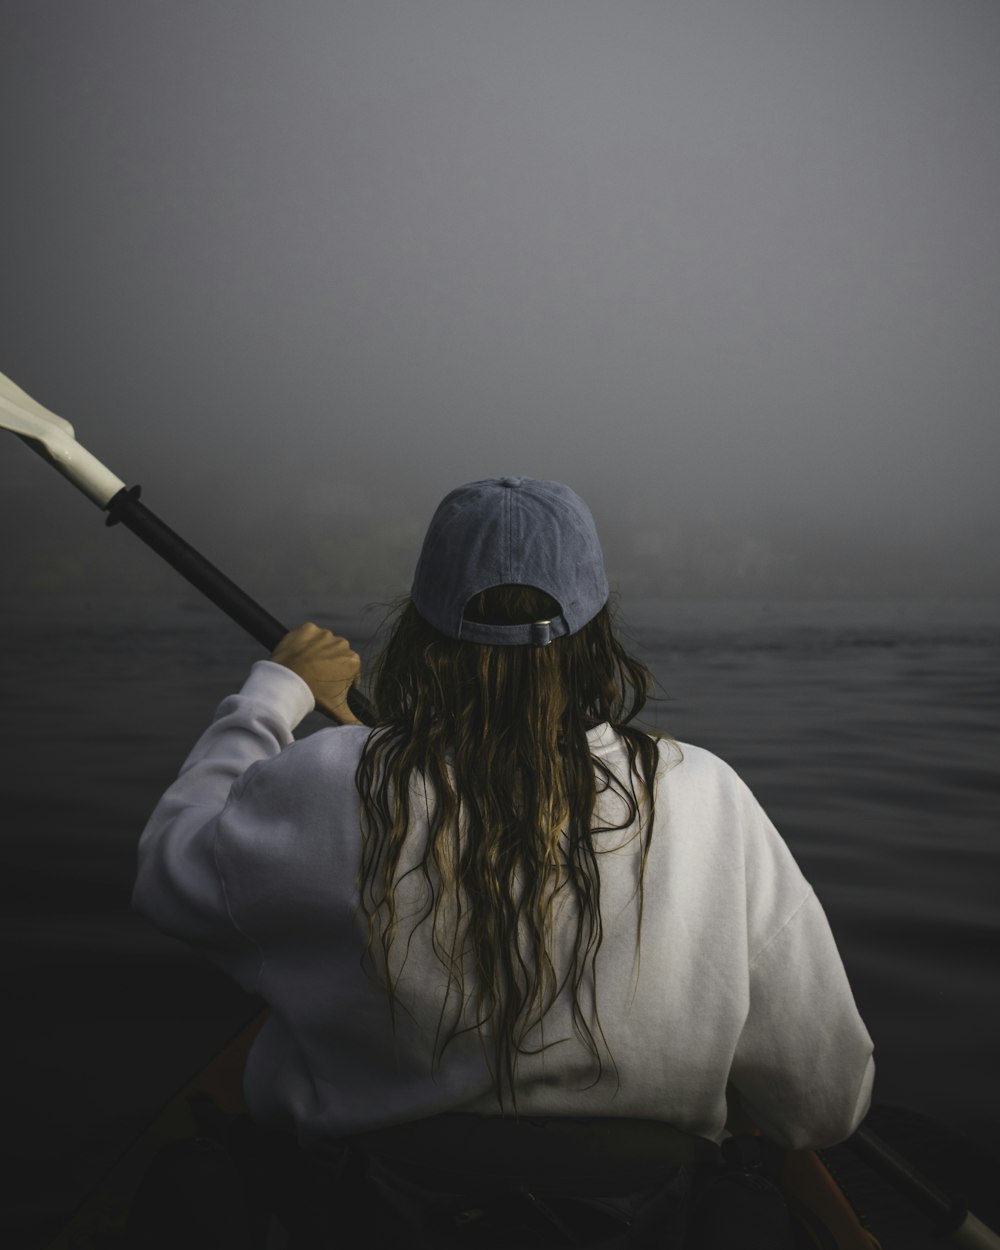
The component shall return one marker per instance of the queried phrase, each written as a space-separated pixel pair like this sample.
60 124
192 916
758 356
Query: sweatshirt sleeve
804 1059
178 885
803 1063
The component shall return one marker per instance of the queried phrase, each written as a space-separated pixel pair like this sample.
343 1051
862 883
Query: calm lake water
869 732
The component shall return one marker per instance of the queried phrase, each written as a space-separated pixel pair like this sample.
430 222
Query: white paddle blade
21 407
53 438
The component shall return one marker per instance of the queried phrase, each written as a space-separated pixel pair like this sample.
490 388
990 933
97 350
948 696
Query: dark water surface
869 731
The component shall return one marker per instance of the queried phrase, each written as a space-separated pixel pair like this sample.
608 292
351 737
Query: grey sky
729 267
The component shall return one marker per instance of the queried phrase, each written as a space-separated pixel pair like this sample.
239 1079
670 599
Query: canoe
101 1221
845 1197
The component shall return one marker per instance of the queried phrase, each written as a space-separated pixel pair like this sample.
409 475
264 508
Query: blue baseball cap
510 531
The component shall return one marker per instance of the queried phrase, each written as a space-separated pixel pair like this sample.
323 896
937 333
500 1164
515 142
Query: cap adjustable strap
541 633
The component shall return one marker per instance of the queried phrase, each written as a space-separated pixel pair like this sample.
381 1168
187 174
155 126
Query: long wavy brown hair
497 736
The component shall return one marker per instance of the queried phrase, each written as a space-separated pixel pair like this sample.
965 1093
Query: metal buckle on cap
541 633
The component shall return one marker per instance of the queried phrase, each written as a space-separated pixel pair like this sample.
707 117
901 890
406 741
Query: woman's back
735 977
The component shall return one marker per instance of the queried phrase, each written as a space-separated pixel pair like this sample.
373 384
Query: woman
505 898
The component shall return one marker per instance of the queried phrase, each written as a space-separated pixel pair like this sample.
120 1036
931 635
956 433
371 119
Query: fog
731 268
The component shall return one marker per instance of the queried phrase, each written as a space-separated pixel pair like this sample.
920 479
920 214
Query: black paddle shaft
946 1212
126 509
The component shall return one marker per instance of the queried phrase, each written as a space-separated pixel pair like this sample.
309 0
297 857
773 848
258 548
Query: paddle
53 438
951 1218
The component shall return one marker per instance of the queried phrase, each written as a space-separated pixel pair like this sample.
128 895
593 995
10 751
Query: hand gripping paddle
53 438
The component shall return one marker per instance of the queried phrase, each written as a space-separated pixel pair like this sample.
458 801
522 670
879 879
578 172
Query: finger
309 642
339 710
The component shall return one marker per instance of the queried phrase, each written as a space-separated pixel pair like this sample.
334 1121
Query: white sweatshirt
252 857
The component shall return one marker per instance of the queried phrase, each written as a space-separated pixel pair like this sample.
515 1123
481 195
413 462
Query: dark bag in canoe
464 1180
461 1182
